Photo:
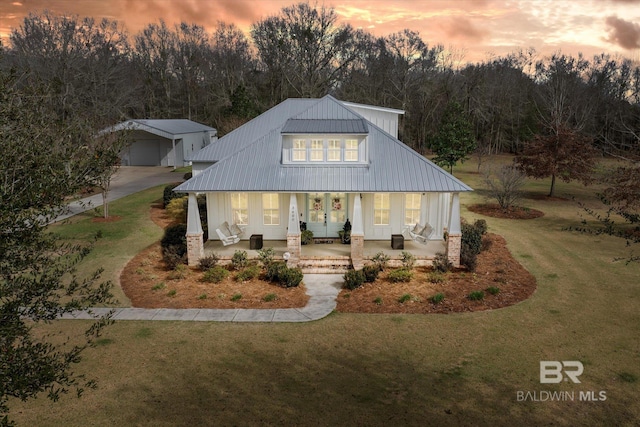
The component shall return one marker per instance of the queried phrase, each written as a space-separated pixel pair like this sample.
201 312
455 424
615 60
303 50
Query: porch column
357 234
293 232
454 239
195 241
434 214
424 209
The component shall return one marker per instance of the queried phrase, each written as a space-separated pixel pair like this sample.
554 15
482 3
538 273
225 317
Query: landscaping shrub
378 301
179 272
266 256
168 194
468 258
408 260
380 260
236 297
437 298
269 297
291 278
472 237
174 245
215 275
370 273
441 263
353 279
400 275
476 295
436 277
239 260
177 209
275 270
174 255
208 262
404 298
248 273
493 290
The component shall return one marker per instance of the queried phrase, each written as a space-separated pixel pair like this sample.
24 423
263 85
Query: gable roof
256 165
167 128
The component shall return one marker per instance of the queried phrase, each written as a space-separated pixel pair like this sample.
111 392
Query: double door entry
326 213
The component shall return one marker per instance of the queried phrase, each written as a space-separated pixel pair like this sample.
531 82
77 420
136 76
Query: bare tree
504 185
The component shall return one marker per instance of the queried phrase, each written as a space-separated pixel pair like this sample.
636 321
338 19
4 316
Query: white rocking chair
419 234
229 235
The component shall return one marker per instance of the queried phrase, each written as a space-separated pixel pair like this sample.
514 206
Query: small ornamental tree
454 141
564 154
505 185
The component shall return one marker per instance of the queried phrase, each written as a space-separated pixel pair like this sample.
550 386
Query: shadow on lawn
340 388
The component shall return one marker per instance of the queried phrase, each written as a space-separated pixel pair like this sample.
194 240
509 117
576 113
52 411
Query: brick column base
195 248
454 243
357 251
293 247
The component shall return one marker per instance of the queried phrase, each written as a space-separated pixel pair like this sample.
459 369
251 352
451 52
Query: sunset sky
477 27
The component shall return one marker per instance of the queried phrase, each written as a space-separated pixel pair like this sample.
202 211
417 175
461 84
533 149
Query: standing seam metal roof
392 167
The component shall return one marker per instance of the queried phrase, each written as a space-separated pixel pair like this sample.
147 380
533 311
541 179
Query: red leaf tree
565 154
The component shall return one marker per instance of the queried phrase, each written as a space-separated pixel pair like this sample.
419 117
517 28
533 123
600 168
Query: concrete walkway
321 288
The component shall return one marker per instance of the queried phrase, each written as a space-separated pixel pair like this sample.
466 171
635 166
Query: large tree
454 141
303 51
42 164
565 154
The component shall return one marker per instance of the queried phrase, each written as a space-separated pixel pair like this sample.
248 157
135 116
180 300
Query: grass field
354 369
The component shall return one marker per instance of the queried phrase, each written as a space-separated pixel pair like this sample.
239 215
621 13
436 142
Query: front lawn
380 369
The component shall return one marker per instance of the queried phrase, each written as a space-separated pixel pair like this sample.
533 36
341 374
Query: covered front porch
386 219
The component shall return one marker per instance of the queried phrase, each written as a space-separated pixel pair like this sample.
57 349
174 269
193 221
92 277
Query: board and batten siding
219 211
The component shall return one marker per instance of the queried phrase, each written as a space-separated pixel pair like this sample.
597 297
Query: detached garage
166 142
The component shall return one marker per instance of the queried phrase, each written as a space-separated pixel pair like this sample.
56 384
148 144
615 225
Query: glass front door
326 213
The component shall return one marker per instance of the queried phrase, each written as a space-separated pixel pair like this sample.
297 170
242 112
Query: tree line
226 77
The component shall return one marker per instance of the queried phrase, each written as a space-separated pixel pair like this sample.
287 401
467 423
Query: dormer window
324 141
323 149
351 150
299 152
334 150
316 150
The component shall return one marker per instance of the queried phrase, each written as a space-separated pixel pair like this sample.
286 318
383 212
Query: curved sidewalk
321 288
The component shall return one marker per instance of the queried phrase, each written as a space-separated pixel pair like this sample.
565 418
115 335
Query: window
240 208
333 150
381 209
270 209
412 203
317 148
299 150
351 150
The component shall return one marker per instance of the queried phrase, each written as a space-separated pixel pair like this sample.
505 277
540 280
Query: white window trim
385 209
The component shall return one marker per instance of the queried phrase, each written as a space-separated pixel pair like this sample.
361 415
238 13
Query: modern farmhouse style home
329 168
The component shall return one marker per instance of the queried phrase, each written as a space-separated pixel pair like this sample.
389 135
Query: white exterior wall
219 210
386 120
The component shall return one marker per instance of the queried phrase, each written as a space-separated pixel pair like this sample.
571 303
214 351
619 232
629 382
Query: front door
326 213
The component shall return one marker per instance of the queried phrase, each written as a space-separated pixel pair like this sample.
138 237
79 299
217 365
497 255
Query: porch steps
323 265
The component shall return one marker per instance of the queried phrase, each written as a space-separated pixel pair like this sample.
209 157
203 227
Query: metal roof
392 167
348 126
166 128
252 130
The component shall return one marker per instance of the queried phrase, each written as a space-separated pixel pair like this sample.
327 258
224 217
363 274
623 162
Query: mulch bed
495 268
515 212
148 283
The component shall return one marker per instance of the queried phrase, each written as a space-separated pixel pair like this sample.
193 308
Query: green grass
346 369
